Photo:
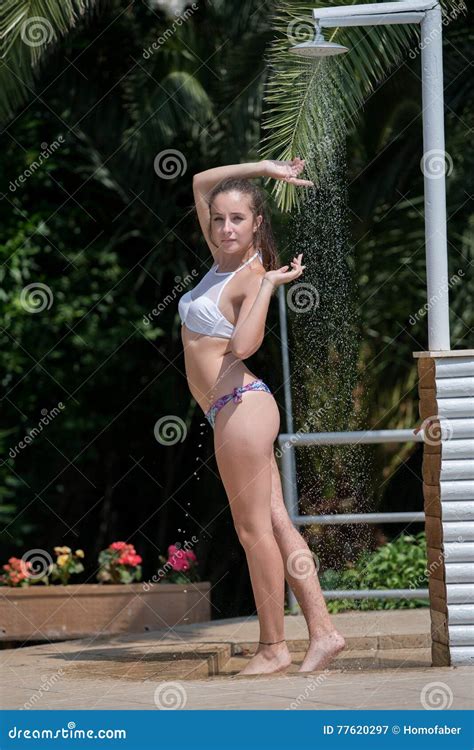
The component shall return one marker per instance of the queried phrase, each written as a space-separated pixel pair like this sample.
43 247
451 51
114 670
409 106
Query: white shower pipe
428 15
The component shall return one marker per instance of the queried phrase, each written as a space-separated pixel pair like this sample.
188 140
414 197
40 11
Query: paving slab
194 666
334 690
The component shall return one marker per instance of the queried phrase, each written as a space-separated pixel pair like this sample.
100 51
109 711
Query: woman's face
233 225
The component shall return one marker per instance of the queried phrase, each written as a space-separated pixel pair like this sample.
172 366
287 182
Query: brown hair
264 238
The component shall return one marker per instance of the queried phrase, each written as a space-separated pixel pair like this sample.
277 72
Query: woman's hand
287 170
282 276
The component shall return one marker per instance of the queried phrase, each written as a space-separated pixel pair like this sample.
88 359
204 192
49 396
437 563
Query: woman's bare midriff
212 370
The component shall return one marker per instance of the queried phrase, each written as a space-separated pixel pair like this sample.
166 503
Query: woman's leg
243 439
300 571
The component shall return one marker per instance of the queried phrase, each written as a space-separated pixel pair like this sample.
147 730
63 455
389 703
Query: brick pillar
446 390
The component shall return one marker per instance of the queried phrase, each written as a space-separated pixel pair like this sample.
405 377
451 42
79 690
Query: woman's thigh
244 435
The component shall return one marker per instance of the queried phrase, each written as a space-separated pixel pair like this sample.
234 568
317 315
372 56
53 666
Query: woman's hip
249 410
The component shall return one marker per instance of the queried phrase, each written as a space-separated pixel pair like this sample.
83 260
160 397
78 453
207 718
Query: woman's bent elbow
239 353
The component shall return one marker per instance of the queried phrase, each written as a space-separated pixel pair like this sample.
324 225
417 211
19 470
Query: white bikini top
199 307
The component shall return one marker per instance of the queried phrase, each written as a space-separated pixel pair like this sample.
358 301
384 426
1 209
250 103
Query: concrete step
142 662
375 642
409 658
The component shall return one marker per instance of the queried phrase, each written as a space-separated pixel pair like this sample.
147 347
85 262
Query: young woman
223 323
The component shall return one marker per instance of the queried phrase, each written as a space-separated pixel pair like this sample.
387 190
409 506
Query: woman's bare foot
321 651
268 659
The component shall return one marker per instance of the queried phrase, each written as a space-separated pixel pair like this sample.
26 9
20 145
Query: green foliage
29 32
396 565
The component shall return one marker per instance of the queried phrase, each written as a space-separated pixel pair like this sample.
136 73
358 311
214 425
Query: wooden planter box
77 611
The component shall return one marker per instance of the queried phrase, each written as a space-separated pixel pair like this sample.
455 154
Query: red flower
118 545
129 559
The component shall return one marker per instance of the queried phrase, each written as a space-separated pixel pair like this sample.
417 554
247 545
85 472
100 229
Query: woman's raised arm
204 182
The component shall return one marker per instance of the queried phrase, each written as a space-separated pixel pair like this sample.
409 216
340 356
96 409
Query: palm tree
309 106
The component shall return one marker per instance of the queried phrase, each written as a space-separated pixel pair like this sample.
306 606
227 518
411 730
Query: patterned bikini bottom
235 396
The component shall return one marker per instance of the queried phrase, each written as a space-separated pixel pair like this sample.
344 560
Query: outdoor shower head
318 47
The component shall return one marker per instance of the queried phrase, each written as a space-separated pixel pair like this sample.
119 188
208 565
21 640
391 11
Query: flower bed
90 609
117 604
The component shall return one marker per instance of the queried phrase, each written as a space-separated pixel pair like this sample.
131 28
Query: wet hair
264 239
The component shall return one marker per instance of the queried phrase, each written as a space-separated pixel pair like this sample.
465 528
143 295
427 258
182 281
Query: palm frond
309 106
29 30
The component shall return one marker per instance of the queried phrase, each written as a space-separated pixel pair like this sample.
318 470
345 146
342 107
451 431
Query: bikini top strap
216 265
247 261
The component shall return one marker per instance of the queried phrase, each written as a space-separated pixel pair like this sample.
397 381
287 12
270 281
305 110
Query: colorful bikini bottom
235 396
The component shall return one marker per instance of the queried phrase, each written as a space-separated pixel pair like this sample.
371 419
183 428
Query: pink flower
178 563
191 556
